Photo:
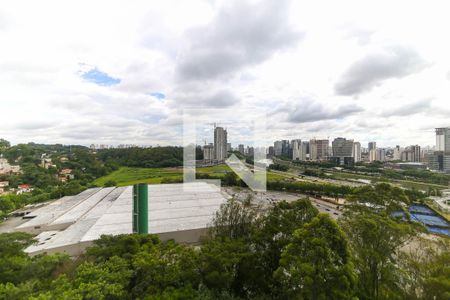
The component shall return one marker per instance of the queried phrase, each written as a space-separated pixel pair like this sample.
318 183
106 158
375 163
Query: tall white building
208 152
220 143
443 139
319 149
372 151
412 154
296 149
357 151
397 153
305 151
380 154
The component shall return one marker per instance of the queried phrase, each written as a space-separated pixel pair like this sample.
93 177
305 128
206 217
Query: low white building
182 212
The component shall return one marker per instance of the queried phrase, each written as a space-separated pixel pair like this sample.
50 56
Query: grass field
129 176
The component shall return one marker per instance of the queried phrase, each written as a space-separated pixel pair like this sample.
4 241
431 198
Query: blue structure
432 221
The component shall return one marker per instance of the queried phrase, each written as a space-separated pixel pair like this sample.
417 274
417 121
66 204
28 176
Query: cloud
3 21
240 35
409 109
209 97
373 69
362 35
35 125
310 111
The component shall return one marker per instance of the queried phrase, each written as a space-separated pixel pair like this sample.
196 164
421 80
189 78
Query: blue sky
158 95
99 78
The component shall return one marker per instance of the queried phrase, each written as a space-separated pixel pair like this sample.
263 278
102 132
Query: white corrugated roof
95 212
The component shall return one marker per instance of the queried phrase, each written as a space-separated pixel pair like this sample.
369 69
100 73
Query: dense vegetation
85 166
155 157
278 167
285 251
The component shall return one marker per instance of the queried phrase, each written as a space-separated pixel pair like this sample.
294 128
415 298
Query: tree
316 264
383 197
230 179
4 144
233 220
165 265
271 234
221 264
110 183
106 280
376 237
426 268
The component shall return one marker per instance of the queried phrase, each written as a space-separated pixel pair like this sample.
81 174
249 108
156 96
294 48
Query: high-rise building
305 151
228 147
285 148
271 151
411 153
443 139
440 159
372 149
397 153
296 146
319 149
241 149
220 143
277 148
343 151
250 151
380 154
208 152
357 151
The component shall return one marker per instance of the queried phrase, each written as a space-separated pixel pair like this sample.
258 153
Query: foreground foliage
286 251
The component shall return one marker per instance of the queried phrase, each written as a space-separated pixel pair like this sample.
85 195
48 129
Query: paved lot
270 197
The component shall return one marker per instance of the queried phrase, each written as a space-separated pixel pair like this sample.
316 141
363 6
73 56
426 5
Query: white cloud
252 57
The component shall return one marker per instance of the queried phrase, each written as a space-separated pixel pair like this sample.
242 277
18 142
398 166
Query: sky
130 72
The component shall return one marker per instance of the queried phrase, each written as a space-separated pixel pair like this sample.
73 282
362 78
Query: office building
357 154
397 155
285 148
220 144
278 148
380 154
319 149
305 150
250 151
296 146
440 159
343 151
208 152
443 139
411 153
241 149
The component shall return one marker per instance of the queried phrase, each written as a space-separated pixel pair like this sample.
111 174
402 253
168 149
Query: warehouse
175 211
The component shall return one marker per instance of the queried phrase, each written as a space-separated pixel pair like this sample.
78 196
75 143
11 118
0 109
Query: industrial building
182 212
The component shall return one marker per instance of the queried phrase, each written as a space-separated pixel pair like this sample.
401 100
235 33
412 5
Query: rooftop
83 218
